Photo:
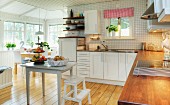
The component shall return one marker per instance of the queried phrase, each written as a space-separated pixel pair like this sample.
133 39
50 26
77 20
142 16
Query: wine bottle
71 13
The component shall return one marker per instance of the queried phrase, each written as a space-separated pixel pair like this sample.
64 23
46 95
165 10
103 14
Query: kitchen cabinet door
92 22
122 67
130 58
67 48
96 65
111 66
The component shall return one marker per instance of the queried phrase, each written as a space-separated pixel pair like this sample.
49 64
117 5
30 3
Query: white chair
78 95
18 60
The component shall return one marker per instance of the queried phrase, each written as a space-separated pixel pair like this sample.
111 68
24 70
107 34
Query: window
54 32
125 29
30 33
123 18
13 32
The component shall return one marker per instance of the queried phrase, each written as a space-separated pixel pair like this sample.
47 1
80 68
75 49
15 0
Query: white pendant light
39 32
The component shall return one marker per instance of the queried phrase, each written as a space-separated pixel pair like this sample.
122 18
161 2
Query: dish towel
3 68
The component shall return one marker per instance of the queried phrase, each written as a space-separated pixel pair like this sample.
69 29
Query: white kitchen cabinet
122 67
92 22
83 64
111 66
68 49
130 58
96 65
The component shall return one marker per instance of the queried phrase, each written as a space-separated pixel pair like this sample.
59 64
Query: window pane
54 32
125 27
114 21
8 26
30 34
19 26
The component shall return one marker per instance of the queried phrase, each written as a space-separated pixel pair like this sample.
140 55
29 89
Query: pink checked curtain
115 13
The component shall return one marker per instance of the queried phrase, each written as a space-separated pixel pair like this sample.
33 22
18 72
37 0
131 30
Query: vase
112 33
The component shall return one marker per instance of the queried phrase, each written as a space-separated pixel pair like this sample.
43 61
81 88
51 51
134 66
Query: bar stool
78 95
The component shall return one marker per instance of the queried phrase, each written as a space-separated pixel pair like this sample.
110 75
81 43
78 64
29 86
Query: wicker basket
51 62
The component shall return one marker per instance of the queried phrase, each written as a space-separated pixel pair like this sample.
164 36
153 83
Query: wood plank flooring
101 94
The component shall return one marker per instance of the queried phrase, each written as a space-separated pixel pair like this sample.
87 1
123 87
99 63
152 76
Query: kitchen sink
115 50
123 51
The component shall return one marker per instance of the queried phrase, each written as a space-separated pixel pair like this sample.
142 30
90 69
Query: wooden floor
101 94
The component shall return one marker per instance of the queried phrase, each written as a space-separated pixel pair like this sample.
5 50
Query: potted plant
112 29
8 45
13 45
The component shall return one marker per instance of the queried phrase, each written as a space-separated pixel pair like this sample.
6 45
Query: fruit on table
38 50
57 58
38 58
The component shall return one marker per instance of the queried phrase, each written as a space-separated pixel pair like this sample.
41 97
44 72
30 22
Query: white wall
140 26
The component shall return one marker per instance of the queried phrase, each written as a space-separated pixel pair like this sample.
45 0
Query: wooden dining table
27 55
46 68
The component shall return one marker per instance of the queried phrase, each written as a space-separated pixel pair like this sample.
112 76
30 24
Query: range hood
155 26
149 13
153 23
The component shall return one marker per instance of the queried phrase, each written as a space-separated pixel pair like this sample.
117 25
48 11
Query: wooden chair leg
15 68
33 74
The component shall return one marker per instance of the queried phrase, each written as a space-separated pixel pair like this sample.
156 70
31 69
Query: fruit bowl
38 60
51 62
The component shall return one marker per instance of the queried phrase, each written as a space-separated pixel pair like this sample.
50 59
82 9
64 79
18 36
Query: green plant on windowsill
111 28
8 45
13 45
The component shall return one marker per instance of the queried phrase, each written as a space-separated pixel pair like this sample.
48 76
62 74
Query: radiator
6 78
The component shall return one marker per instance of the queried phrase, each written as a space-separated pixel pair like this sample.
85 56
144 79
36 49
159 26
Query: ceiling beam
28 11
8 3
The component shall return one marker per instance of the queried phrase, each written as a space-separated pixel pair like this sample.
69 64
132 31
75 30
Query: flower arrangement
111 28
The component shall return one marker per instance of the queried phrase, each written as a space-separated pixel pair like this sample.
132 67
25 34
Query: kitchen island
146 90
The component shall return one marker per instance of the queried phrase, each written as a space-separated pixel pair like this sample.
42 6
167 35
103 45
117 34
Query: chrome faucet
105 46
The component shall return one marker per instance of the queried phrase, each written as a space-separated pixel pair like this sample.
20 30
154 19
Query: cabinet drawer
83 59
87 64
83 54
83 68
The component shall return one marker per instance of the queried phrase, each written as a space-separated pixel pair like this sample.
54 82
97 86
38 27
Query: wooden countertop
146 90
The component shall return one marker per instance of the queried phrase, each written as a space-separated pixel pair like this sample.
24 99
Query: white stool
77 97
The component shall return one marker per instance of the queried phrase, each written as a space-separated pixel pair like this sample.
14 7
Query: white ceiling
50 9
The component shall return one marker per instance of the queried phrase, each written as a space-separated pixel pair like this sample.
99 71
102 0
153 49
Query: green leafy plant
13 45
45 44
111 28
8 45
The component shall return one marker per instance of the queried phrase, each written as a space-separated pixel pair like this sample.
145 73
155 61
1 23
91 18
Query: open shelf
74 18
74 30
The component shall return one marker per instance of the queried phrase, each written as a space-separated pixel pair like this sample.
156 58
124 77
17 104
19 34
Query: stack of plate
152 68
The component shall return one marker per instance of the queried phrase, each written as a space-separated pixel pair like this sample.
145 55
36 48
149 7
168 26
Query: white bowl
51 62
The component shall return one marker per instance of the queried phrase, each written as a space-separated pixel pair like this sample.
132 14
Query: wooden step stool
78 95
